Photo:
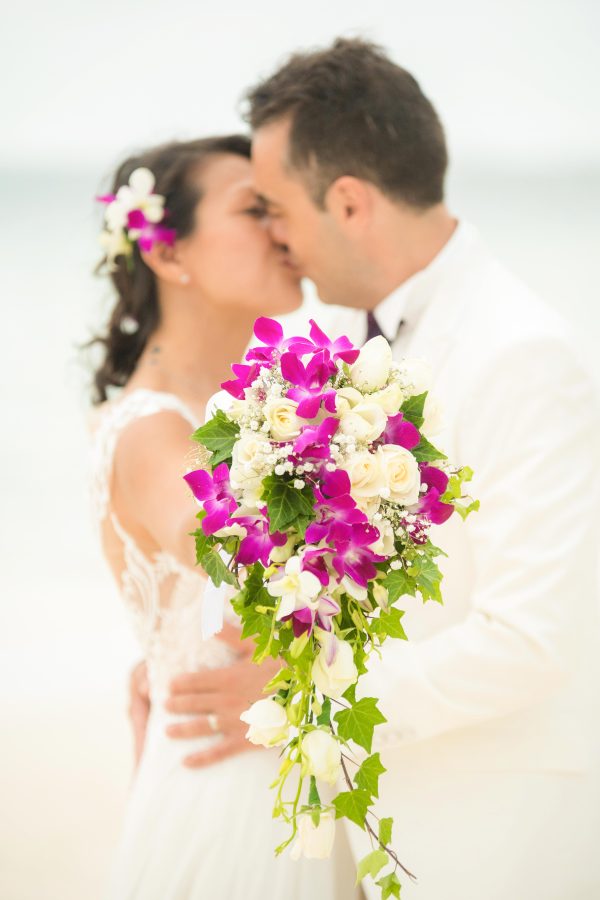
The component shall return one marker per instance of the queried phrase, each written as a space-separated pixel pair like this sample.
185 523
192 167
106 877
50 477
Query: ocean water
65 648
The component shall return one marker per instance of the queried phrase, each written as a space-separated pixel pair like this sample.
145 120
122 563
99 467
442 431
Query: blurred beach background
517 87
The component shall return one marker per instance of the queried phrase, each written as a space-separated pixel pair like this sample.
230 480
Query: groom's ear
349 201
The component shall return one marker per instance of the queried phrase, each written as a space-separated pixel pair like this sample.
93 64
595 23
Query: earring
184 278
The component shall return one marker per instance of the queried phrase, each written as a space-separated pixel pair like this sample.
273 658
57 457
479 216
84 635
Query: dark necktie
373 329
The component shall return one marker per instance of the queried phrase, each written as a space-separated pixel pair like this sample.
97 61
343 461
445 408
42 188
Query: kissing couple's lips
290 264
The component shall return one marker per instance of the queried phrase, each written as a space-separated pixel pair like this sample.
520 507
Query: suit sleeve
529 428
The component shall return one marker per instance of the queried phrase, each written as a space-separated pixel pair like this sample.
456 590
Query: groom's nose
278 232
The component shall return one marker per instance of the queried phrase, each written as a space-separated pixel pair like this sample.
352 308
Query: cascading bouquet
318 500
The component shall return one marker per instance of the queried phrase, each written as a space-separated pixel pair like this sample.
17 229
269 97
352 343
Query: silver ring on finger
213 722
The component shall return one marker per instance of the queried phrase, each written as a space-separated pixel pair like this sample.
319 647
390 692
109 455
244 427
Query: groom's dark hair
355 112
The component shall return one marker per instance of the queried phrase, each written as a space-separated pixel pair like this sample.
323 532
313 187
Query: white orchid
296 588
138 194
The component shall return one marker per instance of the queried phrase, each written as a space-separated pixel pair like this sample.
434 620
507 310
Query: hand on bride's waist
215 698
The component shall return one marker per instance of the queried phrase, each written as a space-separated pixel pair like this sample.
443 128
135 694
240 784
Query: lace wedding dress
189 834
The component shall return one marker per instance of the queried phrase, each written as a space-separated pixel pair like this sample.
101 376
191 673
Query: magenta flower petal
401 432
136 219
201 484
269 331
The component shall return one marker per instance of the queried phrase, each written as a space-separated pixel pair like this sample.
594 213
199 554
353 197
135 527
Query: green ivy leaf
203 543
353 805
358 723
398 583
428 578
371 864
426 452
389 624
385 831
216 569
390 886
218 435
412 409
324 717
367 776
285 503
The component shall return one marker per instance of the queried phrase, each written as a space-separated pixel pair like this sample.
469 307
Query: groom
490 705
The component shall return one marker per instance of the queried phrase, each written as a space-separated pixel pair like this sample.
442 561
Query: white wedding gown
189 834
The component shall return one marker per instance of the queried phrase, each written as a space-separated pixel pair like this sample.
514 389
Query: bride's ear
165 262
348 200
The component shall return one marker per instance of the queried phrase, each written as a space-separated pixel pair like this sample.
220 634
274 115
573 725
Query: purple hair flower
214 491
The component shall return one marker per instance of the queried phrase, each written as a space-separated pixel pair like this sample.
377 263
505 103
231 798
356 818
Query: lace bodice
163 597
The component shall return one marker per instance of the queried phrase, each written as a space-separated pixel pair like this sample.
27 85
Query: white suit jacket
502 676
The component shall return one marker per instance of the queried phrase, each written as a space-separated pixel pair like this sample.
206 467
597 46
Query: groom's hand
217 697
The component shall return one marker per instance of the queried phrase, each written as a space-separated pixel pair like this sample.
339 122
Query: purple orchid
353 557
430 504
401 432
256 546
215 493
315 561
306 618
270 332
313 441
245 375
336 510
341 348
309 383
148 233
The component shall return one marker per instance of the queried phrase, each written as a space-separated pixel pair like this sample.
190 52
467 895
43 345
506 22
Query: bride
192 266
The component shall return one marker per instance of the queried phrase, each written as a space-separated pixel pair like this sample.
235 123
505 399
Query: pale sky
516 81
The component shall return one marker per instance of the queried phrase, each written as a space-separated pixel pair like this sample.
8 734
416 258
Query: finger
222 750
209 680
191 703
198 727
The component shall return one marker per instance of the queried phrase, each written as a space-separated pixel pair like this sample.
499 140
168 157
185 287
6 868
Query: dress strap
110 423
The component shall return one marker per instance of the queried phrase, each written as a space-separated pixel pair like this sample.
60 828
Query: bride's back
163 595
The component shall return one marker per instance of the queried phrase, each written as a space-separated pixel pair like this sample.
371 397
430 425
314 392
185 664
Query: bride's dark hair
136 313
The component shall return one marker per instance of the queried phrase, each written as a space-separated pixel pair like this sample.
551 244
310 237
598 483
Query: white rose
314 841
332 680
283 422
249 452
384 545
268 721
345 399
368 505
433 416
322 755
389 399
418 373
365 422
401 472
371 370
366 475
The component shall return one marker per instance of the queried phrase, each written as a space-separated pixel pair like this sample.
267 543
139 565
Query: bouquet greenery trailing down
317 505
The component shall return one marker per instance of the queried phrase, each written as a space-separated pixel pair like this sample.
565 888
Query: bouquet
318 501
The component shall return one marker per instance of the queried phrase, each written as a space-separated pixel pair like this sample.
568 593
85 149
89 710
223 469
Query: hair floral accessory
318 501
134 213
